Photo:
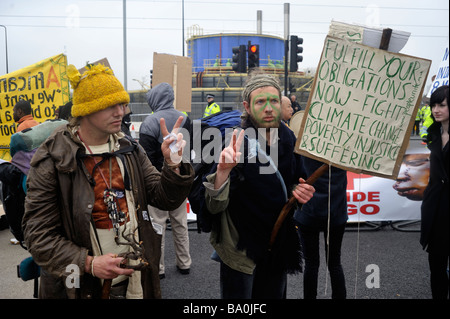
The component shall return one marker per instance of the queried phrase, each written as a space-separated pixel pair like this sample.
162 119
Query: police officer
427 121
212 106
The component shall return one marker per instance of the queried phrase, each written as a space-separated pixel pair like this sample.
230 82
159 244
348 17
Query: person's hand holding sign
173 143
229 158
303 192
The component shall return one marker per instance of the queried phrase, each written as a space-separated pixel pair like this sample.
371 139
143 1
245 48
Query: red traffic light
253 55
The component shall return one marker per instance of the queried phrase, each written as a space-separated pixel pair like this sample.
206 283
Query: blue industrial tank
209 50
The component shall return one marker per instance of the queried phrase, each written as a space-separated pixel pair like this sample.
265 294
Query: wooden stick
385 39
291 202
106 289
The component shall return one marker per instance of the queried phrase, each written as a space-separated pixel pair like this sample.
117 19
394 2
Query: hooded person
86 222
160 99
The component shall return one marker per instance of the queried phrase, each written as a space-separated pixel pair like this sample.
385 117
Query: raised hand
229 158
171 157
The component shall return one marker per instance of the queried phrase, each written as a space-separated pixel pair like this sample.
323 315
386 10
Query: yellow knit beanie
95 90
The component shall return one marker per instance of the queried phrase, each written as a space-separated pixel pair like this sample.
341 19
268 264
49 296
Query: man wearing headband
247 192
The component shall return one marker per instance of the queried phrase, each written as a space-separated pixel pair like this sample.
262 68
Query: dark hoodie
160 99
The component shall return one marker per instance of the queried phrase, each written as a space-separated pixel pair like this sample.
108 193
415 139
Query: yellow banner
44 84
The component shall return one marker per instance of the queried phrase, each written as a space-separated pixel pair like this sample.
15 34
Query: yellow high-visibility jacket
211 109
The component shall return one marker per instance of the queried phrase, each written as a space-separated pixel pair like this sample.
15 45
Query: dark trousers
439 277
264 283
309 237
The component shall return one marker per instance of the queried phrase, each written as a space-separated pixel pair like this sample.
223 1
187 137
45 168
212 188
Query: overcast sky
91 30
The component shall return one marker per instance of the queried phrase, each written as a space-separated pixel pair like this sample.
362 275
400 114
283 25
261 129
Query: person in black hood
160 99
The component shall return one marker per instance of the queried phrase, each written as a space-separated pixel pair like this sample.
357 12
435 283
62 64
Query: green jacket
225 246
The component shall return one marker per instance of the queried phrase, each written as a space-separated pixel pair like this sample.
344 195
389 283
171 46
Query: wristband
92 266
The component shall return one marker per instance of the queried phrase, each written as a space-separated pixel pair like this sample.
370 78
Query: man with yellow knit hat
86 222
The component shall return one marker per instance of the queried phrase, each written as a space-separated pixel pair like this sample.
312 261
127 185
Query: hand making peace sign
229 158
172 156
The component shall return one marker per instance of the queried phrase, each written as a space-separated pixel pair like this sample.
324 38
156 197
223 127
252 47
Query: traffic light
239 59
295 50
253 56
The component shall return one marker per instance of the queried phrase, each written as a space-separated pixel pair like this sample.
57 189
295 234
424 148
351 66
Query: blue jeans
264 283
309 237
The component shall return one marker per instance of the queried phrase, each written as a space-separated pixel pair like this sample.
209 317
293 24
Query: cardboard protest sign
361 108
351 32
44 84
368 35
103 61
177 71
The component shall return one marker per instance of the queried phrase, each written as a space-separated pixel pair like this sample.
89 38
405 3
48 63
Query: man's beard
261 124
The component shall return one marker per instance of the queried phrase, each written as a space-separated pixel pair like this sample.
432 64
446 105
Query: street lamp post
182 28
125 71
6 47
